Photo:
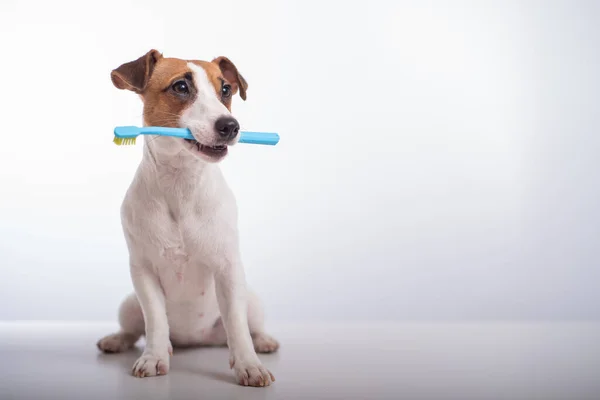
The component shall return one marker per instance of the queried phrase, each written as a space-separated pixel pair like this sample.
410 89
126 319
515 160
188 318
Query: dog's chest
182 278
180 223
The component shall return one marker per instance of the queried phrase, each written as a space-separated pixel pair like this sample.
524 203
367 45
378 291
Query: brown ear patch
135 75
231 74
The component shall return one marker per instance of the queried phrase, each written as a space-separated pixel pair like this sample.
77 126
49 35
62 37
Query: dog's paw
151 364
264 343
251 373
116 343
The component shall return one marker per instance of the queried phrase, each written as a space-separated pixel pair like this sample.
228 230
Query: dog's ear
135 75
232 75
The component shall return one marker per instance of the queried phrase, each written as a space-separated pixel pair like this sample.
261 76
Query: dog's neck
183 165
179 180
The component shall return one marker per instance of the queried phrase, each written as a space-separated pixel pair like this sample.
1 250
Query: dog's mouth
215 152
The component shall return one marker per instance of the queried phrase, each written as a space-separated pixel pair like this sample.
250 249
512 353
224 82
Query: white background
438 160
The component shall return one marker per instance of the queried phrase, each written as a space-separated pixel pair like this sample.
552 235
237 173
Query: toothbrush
126 135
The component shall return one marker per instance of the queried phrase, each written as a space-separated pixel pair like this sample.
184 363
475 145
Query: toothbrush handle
266 138
166 131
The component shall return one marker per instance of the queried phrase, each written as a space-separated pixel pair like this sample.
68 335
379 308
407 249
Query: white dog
180 223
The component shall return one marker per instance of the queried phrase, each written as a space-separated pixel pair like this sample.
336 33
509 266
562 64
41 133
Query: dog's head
189 94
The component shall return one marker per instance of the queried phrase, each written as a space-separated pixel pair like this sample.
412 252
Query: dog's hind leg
131 320
263 342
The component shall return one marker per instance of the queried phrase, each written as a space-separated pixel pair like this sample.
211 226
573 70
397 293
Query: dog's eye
180 87
226 91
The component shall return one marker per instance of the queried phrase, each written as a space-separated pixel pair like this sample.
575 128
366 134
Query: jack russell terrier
179 218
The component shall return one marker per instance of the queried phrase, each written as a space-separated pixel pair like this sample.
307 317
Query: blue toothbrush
126 135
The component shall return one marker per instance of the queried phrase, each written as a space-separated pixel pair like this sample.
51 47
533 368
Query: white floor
361 361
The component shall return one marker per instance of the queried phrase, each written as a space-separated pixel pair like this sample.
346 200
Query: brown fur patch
162 107
134 75
152 75
232 75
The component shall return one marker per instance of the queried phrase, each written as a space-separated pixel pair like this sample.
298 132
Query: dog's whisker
168 114
165 121
154 137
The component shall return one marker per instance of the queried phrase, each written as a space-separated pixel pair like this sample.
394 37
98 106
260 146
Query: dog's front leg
232 296
155 359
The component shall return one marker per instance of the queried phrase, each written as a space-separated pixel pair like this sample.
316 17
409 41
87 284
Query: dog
179 219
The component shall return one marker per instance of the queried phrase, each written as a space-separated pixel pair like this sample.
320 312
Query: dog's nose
227 127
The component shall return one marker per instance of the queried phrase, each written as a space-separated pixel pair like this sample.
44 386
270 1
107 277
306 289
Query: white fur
180 222
201 116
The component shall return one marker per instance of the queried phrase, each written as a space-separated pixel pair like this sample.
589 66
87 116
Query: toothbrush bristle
124 141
